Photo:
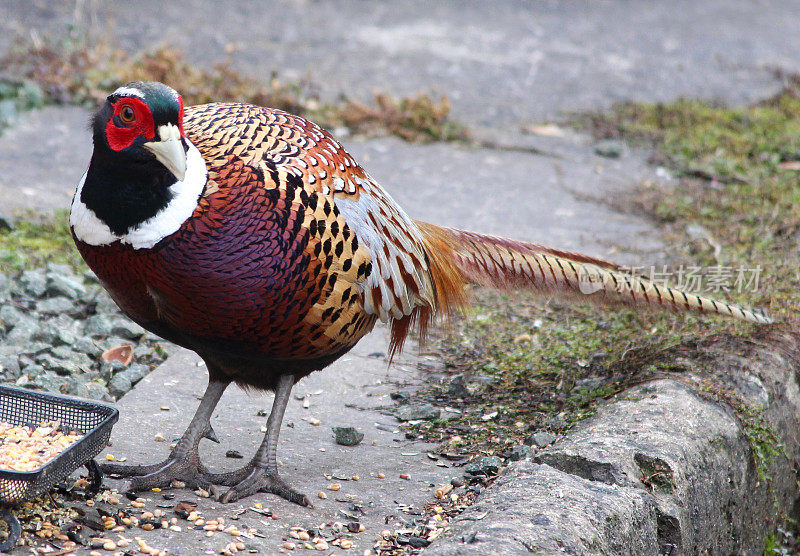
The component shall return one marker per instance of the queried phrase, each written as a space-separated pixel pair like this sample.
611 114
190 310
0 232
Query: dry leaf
122 353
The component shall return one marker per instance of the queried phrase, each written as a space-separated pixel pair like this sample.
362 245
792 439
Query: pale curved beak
169 150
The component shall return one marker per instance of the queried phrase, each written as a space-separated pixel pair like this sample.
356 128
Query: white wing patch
90 229
399 281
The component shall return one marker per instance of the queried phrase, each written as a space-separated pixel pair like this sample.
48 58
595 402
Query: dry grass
77 70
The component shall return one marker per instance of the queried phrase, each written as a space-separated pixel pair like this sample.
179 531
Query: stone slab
671 445
536 509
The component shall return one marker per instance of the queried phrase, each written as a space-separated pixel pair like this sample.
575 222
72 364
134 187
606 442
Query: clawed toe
263 480
159 475
230 478
122 470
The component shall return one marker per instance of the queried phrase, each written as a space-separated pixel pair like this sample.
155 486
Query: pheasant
250 236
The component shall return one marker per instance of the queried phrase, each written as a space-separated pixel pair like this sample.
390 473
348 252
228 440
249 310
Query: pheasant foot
261 474
261 479
183 464
145 477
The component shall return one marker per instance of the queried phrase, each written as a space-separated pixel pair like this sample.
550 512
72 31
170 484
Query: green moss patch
36 241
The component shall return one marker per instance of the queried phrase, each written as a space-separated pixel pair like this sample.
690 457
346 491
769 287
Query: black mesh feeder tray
21 407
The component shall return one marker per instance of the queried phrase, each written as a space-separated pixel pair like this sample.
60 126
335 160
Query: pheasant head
142 164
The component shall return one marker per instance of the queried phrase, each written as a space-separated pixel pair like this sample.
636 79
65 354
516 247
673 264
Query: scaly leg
261 474
183 463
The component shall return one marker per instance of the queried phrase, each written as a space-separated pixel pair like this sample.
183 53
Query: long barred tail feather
458 257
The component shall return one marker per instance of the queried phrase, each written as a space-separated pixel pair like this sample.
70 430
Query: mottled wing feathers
508 264
366 257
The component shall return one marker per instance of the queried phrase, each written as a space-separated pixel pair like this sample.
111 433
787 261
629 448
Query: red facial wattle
180 116
121 134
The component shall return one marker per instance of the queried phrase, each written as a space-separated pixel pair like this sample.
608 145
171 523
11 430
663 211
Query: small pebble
322 495
347 436
289 545
159 437
405 476
334 486
381 476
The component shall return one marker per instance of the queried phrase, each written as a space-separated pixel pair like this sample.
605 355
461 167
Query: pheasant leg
261 474
183 463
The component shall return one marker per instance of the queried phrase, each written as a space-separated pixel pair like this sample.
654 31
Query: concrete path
354 391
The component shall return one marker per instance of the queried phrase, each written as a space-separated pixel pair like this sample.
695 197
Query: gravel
54 326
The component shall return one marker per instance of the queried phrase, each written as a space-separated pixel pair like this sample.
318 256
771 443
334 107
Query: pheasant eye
127 115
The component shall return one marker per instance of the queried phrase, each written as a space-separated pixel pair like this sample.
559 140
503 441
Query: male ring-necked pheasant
251 236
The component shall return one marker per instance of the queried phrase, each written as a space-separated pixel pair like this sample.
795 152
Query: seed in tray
25 449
